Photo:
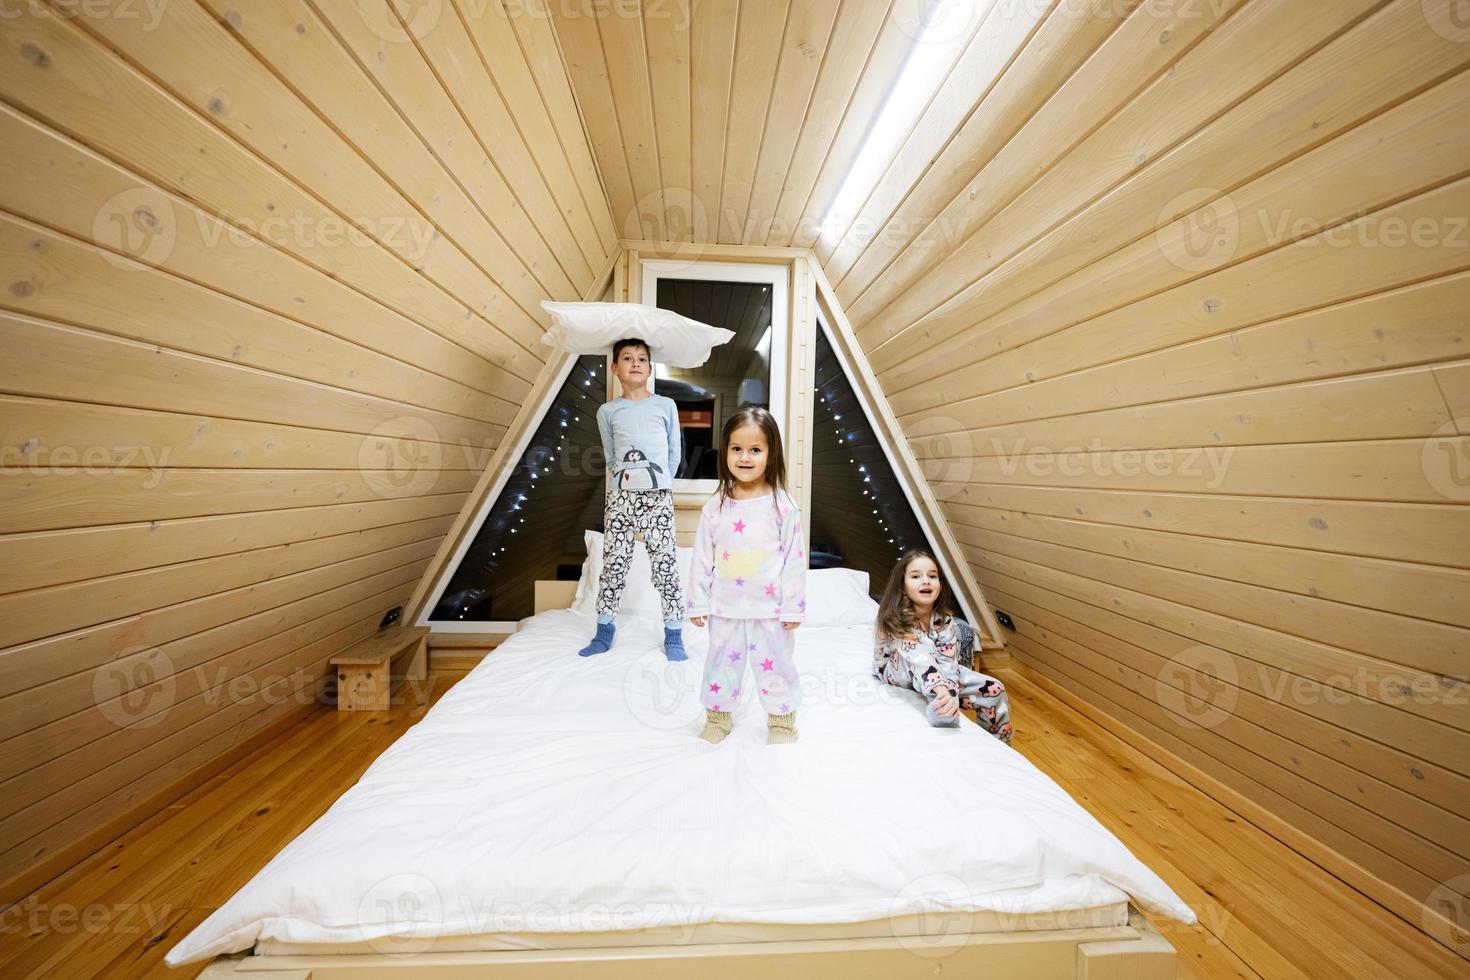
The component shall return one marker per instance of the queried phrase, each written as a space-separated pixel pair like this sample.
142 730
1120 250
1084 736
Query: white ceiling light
943 28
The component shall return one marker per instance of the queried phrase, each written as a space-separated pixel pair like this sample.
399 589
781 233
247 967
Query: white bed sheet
547 793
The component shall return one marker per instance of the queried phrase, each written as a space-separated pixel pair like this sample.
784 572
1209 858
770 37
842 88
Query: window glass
535 526
860 517
737 373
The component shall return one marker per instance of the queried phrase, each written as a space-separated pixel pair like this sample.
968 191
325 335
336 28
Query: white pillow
839 597
592 328
639 597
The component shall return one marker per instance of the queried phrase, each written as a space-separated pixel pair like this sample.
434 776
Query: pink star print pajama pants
749 657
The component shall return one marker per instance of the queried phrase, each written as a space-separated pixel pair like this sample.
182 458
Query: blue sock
601 643
674 644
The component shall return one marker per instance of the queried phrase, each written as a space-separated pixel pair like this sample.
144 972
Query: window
534 528
861 516
750 369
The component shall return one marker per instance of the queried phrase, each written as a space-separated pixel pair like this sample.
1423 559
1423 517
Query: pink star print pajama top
748 575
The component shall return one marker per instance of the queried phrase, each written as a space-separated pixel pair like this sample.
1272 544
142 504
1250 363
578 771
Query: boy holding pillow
642 444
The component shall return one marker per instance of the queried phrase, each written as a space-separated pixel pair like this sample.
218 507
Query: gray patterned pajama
650 513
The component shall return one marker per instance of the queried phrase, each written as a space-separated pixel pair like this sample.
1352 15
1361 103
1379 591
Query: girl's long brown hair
775 465
896 614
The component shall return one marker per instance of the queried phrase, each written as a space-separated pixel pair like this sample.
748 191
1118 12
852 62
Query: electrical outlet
390 617
1005 620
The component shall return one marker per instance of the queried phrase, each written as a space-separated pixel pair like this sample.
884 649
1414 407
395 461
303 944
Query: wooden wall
271 276
1176 319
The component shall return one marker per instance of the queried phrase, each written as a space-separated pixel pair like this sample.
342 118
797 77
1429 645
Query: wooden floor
1264 911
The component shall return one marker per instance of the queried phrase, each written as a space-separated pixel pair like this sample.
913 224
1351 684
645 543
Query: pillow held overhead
592 328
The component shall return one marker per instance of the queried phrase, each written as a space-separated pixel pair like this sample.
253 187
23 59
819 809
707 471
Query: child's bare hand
945 704
697 620
789 626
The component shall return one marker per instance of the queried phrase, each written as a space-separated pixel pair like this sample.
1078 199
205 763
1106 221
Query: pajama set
642 443
936 660
748 576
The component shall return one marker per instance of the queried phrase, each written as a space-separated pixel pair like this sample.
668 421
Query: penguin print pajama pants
749 657
650 513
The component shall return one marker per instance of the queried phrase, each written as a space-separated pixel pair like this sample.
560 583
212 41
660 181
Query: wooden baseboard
53 865
1145 751
466 641
455 661
457 652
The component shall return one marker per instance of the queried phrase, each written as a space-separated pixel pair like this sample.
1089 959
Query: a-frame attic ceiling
1167 297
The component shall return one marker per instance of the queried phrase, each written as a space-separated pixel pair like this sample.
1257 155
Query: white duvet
548 793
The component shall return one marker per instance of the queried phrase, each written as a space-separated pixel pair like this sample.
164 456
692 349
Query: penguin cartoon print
636 472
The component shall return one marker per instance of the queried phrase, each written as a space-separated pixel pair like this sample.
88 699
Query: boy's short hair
627 342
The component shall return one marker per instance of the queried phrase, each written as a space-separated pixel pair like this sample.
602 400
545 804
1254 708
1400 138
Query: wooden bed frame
1132 952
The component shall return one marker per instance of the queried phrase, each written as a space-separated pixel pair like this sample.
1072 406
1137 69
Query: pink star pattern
726 556
771 591
739 527
764 691
767 664
714 689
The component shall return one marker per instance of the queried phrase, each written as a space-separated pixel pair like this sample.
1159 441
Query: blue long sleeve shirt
642 442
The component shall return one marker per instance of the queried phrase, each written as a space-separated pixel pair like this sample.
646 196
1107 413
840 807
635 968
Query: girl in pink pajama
748 580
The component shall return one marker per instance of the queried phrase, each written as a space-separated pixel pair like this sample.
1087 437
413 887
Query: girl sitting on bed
921 644
748 578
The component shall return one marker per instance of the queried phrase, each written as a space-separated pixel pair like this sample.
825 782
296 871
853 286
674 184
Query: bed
554 814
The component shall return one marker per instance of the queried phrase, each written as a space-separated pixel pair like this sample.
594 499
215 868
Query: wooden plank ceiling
729 122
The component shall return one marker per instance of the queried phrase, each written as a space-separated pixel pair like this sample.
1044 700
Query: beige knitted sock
781 729
716 726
